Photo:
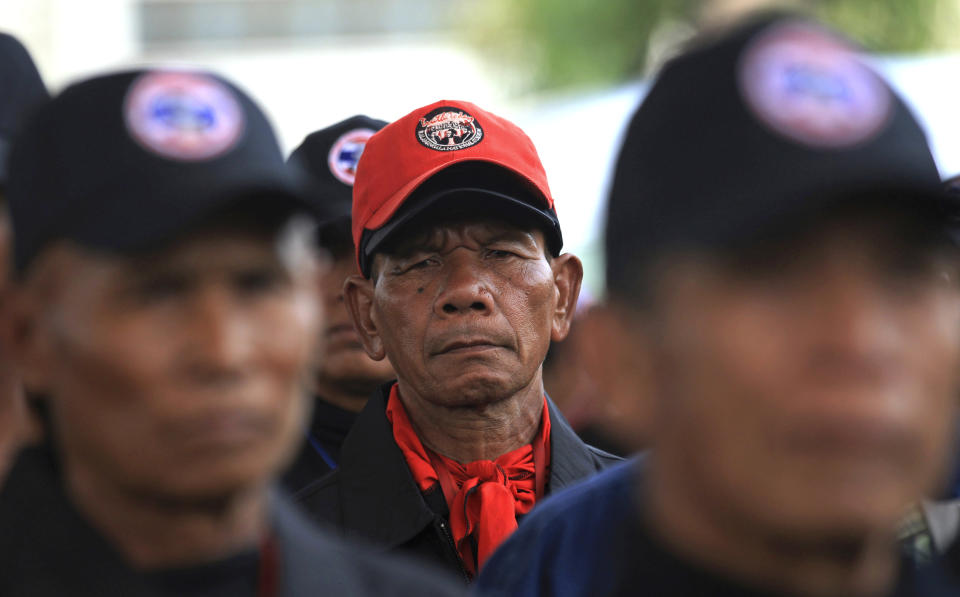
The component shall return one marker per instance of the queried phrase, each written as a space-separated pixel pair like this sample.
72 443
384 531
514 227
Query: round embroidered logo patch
183 116
449 129
345 154
813 87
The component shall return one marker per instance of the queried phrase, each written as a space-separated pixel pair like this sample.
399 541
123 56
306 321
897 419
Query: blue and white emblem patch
813 87
345 154
183 116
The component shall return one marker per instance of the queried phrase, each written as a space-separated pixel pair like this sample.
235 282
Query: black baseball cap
22 90
127 161
773 120
329 156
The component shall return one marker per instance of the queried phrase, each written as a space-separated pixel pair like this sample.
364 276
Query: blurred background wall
570 72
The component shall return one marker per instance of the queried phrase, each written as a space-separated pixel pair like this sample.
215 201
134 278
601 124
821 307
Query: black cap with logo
776 118
21 90
126 161
330 157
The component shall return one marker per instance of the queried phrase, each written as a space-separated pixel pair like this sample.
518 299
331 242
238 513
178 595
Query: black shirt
591 540
233 577
43 532
47 549
648 563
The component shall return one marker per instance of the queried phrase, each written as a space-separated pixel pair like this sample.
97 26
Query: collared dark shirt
647 562
590 541
373 497
236 576
320 452
47 549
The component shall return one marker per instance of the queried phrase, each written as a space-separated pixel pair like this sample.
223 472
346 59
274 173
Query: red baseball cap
405 154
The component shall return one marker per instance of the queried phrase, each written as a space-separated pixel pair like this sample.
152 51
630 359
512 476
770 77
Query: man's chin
812 515
476 390
834 526
208 488
219 475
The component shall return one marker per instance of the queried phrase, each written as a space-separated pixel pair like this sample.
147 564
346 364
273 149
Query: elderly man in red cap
462 288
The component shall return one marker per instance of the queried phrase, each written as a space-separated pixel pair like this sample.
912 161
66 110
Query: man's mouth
852 438
468 346
222 429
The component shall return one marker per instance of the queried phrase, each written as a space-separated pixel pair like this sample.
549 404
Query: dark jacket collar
41 528
380 500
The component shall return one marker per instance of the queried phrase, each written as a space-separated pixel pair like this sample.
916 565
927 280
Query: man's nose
465 289
219 336
855 317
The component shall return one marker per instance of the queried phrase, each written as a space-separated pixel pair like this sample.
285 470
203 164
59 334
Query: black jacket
373 496
47 549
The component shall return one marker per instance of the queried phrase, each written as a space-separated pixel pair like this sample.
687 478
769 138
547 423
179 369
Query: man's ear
567 277
25 336
358 297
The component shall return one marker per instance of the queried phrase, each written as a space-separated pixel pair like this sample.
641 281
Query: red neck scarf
484 496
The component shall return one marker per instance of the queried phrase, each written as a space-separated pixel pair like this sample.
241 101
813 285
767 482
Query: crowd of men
227 372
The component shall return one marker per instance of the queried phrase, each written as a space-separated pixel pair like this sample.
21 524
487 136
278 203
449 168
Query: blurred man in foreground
21 89
462 287
779 268
167 312
346 376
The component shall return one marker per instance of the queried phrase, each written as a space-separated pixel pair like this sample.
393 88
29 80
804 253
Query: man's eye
912 268
420 264
500 254
256 281
160 289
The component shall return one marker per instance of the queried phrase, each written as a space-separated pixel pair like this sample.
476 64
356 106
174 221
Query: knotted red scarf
484 496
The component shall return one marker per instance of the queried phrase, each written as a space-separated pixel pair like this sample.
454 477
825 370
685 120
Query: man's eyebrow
409 246
139 271
512 235
140 265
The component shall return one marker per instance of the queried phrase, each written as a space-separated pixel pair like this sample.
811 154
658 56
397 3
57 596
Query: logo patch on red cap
812 87
183 116
345 154
448 129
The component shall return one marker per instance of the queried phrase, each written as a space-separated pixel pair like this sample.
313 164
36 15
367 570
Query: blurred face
345 364
808 387
12 415
177 374
466 311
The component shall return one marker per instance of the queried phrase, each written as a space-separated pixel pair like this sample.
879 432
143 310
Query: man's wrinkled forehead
286 241
276 224
289 245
